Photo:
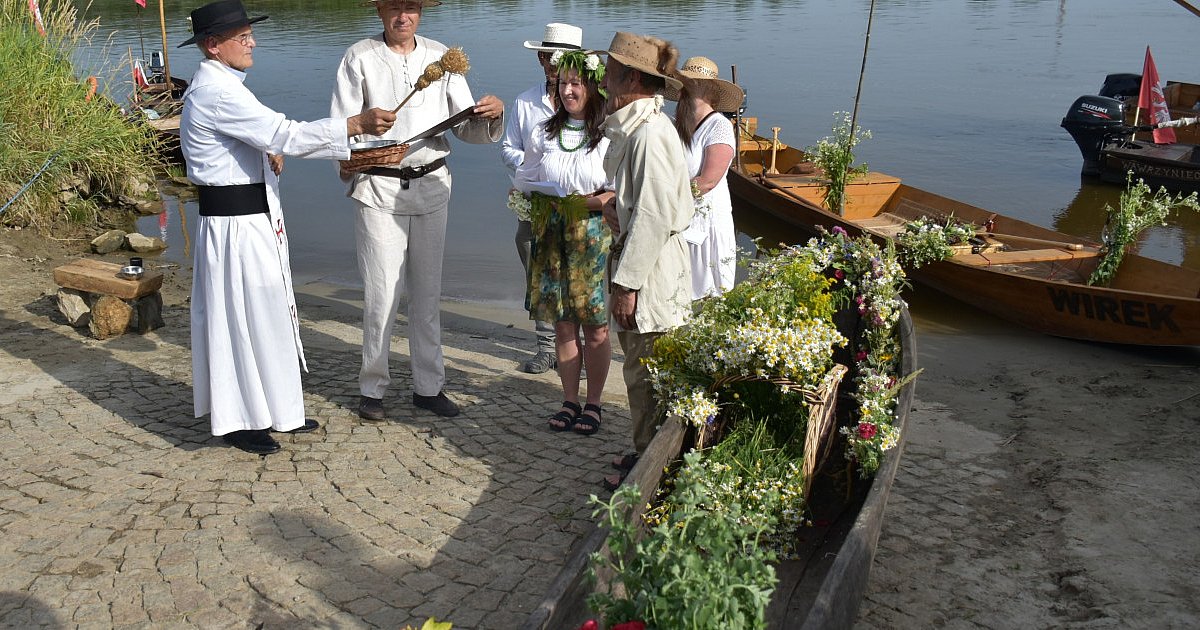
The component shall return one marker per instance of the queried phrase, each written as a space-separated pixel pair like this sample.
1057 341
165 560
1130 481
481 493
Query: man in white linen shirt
401 210
530 109
246 352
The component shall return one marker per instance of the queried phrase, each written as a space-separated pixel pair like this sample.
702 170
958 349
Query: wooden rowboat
823 587
1030 275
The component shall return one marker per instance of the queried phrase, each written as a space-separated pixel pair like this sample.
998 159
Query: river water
963 98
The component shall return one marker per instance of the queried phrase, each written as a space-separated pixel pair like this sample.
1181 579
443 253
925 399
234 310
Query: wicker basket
367 157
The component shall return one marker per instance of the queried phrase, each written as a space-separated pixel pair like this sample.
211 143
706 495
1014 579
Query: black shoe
541 362
258 441
371 408
439 404
308 427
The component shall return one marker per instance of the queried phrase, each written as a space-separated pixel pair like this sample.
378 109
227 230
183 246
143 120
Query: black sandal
567 418
625 462
585 424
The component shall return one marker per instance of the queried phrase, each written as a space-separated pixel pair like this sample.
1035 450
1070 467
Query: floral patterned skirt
566 270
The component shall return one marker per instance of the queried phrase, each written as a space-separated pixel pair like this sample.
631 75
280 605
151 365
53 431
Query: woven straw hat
728 95
641 52
559 37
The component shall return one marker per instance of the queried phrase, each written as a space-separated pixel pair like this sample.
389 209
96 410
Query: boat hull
1175 167
1151 303
823 589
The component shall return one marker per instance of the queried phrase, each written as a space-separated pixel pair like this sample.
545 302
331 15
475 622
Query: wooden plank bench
101 285
1021 256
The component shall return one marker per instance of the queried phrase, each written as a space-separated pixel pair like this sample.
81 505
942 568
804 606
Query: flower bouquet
744 370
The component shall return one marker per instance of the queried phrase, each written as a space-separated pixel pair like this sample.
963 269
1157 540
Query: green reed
45 113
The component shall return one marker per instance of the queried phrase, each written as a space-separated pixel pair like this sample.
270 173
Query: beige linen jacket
648 167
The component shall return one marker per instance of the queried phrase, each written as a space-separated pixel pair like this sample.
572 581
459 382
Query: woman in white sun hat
709 138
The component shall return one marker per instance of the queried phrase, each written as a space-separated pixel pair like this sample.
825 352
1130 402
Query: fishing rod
1188 6
863 70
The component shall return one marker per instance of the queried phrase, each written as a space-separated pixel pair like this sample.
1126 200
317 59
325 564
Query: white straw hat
728 96
559 37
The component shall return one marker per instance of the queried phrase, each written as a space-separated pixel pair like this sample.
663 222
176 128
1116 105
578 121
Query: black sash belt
408 172
233 201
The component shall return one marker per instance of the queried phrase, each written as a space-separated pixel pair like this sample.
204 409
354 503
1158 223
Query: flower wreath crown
587 64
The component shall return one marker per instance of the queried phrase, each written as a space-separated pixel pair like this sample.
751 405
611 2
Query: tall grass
45 113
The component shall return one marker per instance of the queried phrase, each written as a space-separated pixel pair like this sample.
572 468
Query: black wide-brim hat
217 17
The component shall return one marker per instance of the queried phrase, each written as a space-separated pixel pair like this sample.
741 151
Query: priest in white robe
246 352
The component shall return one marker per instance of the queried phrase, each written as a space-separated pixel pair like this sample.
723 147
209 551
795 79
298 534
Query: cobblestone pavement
118 509
1032 492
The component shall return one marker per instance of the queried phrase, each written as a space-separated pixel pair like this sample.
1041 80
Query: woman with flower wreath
708 137
563 177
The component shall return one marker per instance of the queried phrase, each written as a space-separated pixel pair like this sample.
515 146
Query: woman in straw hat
709 139
570 238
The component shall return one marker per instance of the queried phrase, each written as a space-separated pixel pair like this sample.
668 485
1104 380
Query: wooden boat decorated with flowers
822 578
1029 275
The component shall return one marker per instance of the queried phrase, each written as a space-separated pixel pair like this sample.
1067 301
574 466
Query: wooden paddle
1035 241
774 149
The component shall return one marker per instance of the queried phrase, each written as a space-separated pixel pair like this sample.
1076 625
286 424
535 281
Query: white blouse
564 160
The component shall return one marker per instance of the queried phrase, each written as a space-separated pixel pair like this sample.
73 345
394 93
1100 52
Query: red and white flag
1152 100
36 12
140 3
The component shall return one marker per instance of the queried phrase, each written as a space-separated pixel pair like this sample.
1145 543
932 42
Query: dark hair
593 114
685 112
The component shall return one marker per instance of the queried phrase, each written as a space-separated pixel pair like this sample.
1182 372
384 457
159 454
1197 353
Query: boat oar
774 150
1035 241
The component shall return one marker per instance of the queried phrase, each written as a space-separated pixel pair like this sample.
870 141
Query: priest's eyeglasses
243 39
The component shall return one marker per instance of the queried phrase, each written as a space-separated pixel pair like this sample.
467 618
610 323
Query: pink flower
630 625
866 431
837 229
839 274
861 356
590 624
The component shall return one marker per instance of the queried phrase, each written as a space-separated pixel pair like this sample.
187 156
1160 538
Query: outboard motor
1121 86
1091 121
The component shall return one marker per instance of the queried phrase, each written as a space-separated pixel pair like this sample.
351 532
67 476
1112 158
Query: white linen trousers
401 253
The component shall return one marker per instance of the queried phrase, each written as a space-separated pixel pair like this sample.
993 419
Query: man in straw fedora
649 271
708 137
246 352
530 109
401 209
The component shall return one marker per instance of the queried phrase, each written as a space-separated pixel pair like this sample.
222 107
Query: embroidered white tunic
372 75
246 351
530 109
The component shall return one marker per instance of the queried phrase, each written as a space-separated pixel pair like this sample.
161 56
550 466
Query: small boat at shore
1097 124
1029 275
823 586
1183 101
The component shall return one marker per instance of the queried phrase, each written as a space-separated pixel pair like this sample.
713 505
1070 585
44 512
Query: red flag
140 3
1152 100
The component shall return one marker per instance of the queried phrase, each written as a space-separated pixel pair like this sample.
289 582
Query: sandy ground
1044 483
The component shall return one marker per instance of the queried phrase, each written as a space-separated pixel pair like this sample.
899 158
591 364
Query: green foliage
698 569
46 113
834 155
924 241
1138 210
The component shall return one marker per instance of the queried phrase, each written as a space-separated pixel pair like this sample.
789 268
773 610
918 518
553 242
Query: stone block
110 317
144 244
74 305
109 241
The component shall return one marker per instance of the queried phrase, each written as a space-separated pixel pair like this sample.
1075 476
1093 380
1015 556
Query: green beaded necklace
563 146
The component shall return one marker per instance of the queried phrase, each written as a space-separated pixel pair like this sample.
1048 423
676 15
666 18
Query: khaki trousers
642 403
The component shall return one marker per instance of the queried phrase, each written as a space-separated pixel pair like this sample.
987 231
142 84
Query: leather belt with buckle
407 173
